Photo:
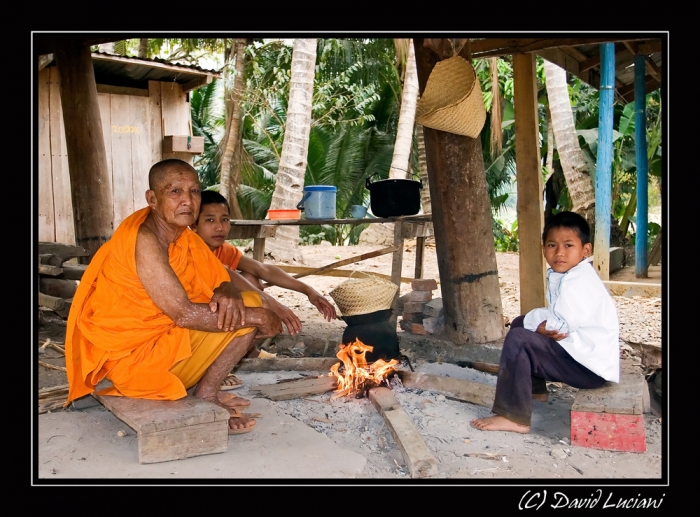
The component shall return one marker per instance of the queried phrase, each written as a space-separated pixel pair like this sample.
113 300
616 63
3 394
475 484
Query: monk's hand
554 334
286 315
270 326
227 302
323 306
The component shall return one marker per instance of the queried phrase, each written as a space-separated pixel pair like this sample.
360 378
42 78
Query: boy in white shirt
574 340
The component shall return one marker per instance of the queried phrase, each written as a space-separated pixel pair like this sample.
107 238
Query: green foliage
505 239
208 122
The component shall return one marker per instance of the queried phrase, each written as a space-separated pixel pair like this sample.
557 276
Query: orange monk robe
115 330
228 255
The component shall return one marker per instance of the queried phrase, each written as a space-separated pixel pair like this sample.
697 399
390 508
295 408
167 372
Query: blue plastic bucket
318 202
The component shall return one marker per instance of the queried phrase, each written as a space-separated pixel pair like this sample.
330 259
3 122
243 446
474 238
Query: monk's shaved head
162 169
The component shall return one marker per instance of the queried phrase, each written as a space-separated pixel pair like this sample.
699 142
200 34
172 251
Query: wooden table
405 227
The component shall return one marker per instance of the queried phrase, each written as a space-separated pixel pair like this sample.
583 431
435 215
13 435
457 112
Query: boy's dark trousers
528 359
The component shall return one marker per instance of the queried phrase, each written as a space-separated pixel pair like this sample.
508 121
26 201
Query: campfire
357 376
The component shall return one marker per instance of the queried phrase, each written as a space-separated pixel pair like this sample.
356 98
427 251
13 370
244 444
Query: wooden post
396 266
420 252
91 193
530 211
461 214
641 265
259 249
603 172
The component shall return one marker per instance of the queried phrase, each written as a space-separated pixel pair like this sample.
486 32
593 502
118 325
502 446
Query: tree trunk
462 222
548 163
289 185
143 48
423 171
91 191
407 114
231 156
581 189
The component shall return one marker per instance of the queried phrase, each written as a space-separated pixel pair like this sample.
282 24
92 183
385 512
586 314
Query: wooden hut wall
133 127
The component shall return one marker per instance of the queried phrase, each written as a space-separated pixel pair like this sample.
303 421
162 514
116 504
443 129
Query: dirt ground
460 450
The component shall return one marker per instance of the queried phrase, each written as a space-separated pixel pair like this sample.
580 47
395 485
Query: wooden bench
611 418
172 429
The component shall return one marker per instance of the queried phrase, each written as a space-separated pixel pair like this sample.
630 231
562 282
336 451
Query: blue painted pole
641 265
603 174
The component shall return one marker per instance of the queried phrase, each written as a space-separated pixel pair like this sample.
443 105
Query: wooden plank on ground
420 461
350 260
295 364
297 388
74 272
629 289
172 429
46 269
65 251
461 389
333 272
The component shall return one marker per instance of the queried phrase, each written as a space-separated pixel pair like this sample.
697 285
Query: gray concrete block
433 308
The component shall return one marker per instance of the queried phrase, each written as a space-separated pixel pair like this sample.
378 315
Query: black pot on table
394 197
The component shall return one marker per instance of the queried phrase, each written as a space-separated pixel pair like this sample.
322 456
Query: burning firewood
357 376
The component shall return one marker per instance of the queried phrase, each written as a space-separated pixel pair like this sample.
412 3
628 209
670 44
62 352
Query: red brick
417 328
413 317
608 431
423 284
421 296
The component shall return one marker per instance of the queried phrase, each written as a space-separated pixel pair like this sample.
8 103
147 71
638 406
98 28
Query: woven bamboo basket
365 295
452 100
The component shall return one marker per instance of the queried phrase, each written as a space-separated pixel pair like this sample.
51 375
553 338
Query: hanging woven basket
452 99
365 295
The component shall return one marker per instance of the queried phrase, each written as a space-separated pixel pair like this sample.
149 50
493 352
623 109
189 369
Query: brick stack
421 313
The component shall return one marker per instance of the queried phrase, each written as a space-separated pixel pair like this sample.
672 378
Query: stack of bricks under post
421 313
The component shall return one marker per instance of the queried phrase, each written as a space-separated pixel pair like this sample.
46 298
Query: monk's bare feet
542 397
240 423
231 400
499 423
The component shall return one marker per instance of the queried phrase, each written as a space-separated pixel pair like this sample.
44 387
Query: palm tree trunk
289 184
143 48
578 180
549 165
407 114
231 156
423 171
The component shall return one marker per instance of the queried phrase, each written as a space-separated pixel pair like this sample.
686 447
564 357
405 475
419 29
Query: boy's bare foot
499 423
542 397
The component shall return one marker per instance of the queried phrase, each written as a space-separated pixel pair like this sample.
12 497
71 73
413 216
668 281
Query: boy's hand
286 315
554 334
322 305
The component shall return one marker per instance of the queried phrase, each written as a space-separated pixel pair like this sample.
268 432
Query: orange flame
357 374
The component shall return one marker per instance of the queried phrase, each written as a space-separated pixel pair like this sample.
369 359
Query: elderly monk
156 312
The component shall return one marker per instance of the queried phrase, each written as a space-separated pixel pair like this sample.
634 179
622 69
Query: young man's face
563 249
213 224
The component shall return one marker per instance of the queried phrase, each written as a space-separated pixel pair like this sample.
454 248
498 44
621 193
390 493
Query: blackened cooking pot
394 197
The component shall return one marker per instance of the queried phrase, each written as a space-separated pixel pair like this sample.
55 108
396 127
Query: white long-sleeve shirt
580 306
